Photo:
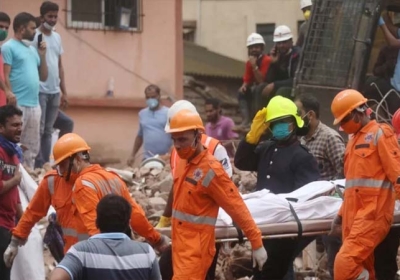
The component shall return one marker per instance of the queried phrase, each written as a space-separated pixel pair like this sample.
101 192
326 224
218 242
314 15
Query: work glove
336 227
163 244
164 222
258 126
11 251
260 257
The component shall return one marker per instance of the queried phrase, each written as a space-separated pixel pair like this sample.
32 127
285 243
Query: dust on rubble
150 188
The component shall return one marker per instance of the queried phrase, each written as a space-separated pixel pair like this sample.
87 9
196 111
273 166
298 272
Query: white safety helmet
255 39
282 33
305 3
176 107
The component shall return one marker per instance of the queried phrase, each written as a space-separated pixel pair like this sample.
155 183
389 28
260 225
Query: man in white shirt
52 92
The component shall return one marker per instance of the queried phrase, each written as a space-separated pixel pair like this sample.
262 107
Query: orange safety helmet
396 122
185 120
68 145
345 102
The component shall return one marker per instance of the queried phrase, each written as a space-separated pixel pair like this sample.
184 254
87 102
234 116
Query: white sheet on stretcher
269 208
29 263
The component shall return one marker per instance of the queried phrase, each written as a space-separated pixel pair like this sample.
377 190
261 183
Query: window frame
269 44
100 26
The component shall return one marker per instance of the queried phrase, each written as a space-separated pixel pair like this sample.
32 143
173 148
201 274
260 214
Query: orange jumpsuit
53 190
200 188
372 168
93 183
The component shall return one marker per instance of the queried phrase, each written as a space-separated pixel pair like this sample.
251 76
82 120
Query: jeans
64 123
5 238
49 104
30 136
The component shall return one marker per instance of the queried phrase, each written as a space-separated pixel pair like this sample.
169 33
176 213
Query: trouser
370 92
49 103
30 136
167 272
64 123
281 254
385 254
5 239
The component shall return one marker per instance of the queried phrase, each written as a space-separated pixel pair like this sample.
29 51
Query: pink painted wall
91 58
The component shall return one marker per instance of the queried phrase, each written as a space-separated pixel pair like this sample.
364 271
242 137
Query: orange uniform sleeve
225 194
37 209
139 222
389 153
86 200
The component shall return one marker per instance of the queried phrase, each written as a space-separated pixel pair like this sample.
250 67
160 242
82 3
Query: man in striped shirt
110 254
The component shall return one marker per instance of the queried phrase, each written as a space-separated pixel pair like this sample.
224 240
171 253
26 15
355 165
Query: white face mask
47 26
27 43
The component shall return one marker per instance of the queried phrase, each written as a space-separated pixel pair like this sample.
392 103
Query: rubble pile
150 188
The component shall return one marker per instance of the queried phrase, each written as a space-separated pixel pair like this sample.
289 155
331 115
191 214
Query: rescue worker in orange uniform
372 170
55 191
201 186
215 148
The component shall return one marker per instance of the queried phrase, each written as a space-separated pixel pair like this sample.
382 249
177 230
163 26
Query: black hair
215 102
38 21
4 17
113 214
153 87
22 20
8 111
310 103
48 6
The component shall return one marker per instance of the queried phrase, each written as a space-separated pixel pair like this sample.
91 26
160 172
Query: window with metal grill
104 14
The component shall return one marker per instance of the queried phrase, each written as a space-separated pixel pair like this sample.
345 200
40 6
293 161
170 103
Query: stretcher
281 230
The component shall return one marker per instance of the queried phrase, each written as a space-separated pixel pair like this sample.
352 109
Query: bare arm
19 211
389 24
59 274
258 76
43 71
62 77
391 40
136 146
168 207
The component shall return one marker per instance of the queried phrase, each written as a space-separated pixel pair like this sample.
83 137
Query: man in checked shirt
327 146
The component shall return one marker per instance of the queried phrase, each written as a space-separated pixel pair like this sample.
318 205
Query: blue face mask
281 131
152 103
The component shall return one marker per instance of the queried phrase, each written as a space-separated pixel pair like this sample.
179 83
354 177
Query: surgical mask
187 152
3 34
307 14
152 103
47 26
27 43
280 131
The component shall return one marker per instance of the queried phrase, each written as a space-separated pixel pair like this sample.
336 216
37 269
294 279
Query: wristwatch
255 68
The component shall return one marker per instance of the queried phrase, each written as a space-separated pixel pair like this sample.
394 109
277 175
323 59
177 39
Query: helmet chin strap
70 165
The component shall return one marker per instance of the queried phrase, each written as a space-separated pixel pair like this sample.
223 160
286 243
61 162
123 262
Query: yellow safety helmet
280 107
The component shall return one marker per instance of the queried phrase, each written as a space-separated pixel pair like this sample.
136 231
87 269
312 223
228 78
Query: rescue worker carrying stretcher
215 148
201 186
74 191
372 170
283 165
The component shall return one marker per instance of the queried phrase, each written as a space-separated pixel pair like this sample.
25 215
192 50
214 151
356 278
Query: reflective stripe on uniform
208 178
378 135
207 142
110 186
369 183
73 233
50 184
199 220
89 184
